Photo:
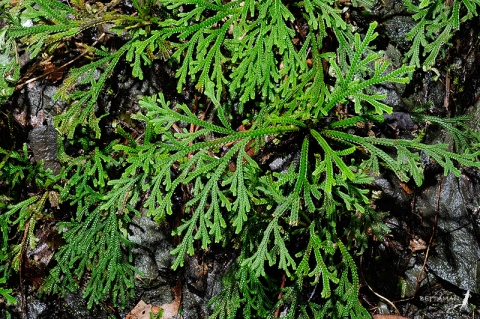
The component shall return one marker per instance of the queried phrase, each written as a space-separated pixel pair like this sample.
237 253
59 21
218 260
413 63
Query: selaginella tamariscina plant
274 80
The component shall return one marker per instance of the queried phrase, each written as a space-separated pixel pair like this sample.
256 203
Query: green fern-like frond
348 305
305 221
212 181
406 162
82 111
437 21
320 271
42 29
6 293
203 54
243 293
94 243
463 136
332 157
352 83
9 67
259 39
96 238
266 253
14 168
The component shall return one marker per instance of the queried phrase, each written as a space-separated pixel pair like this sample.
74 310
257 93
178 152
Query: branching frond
437 21
406 162
198 164
352 83
463 136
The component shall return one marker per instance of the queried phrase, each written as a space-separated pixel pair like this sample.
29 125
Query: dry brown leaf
38 258
53 72
170 310
142 311
54 198
417 244
406 188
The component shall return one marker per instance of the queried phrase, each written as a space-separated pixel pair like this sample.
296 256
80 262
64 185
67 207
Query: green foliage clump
305 222
9 67
96 237
18 217
255 38
437 22
42 25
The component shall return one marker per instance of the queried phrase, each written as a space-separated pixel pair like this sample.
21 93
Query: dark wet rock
435 94
278 163
393 95
203 281
41 104
388 8
399 120
411 278
196 274
395 56
428 91
76 306
72 306
457 70
396 28
440 304
43 143
456 253
200 278
193 305
393 197
151 252
35 106
474 112
453 255
36 308
383 308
